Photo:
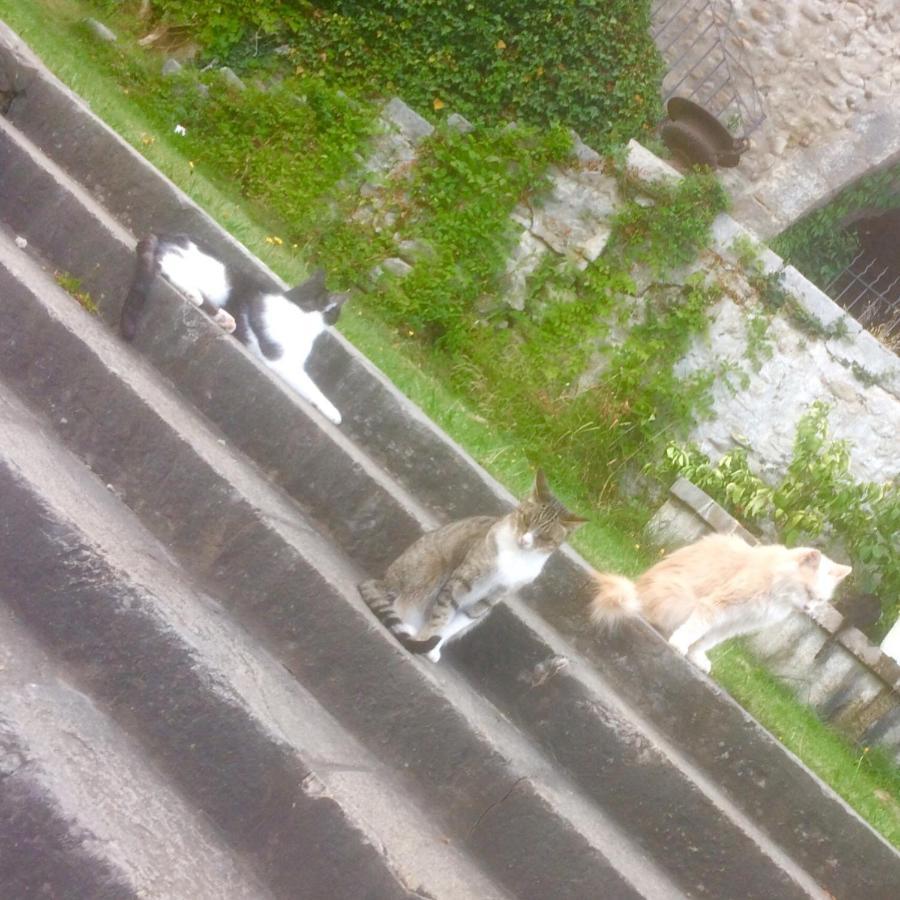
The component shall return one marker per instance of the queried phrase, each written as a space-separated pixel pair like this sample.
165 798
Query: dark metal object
698 138
706 61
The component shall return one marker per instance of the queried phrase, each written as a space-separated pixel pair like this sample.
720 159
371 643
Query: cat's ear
309 294
810 558
333 309
571 521
541 490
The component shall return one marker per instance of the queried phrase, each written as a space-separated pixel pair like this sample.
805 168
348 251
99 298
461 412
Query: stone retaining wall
855 374
759 406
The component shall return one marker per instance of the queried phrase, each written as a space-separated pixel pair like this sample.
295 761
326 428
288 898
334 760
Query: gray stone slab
171 67
80 798
275 575
231 78
684 708
134 654
100 31
460 123
407 121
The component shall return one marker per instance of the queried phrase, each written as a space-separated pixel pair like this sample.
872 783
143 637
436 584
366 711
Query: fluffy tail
381 602
144 273
616 599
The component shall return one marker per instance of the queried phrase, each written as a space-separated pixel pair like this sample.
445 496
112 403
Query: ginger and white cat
278 328
717 588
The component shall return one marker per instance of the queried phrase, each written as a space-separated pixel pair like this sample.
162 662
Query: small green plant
759 345
457 202
817 499
863 375
773 295
670 232
72 286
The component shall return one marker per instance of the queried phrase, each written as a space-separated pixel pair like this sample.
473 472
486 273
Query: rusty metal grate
869 291
705 59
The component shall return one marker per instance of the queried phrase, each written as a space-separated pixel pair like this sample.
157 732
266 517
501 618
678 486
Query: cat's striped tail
380 601
616 599
144 273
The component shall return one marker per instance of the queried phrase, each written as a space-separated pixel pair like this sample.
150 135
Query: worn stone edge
857 347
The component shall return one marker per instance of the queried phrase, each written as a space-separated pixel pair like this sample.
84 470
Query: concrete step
250 546
689 736
295 797
83 815
633 804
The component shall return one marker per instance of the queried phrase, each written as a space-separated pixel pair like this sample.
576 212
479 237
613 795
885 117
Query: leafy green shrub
458 203
817 499
286 148
590 64
671 232
521 369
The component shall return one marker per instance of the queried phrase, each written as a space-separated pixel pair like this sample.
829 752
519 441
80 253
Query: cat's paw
434 655
332 415
225 321
701 661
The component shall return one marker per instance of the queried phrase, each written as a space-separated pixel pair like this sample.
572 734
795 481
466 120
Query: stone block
100 31
230 77
574 219
885 732
406 120
689 514
459 123
395 266
171 67
865 710
523 261
645 166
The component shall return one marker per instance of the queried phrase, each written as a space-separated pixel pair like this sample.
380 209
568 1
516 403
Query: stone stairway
194 700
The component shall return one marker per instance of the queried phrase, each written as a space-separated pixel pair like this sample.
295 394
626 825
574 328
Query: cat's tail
144 273
616 599
381 602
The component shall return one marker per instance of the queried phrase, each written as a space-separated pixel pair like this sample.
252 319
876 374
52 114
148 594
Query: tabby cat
449 579
278 328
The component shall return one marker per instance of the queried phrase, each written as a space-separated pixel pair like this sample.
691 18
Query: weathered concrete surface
78 790
467 743
276 575
293 794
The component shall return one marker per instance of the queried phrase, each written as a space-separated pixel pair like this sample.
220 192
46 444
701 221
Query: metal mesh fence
869 291
705 59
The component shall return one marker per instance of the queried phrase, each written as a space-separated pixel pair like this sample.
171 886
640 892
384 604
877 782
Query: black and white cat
279 328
